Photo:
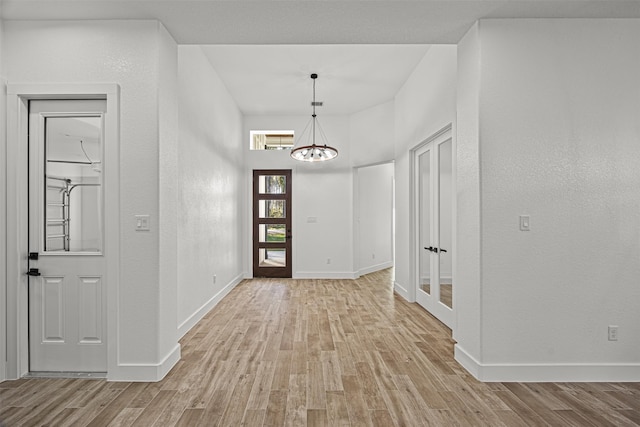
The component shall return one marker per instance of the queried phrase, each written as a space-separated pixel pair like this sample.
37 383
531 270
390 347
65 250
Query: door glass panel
272 257
272 233
272 184
271 209
73 181
424 184
446 226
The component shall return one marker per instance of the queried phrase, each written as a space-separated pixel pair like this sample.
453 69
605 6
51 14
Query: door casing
18 96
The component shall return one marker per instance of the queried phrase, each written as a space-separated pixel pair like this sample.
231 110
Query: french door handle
432 249
33 272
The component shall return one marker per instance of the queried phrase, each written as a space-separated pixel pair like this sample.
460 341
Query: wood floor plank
126 417
190 417
278 352
296 412
337 413
356 406
316 418
276 408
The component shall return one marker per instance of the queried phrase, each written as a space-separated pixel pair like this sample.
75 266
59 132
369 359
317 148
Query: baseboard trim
374 268
191 321
577 372
141 372
324 275
401 290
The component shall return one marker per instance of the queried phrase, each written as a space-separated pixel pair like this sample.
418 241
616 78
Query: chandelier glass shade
313 152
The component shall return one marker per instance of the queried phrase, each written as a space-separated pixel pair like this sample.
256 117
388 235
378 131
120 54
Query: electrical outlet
328 260
373 256
613 333
214 279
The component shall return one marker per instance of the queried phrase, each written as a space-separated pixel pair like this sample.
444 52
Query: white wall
321 190
558 140
374 217
127 53
467 295
211 180
168 212
371 134
425 104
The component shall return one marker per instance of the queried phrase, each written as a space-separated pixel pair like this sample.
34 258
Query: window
271 140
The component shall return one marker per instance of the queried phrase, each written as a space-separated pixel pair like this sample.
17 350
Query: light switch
142 222
525 223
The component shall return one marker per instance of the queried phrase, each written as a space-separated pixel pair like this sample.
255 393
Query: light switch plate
142 222
525 223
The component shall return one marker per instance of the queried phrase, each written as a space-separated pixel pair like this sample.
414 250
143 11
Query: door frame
289 218
414 251
18 97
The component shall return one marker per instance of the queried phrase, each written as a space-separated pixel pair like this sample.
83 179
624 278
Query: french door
67 304
272 223
433 186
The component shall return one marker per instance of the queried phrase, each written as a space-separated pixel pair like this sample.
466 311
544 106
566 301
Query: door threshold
85 375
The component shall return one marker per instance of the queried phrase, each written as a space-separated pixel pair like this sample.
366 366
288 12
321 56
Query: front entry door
272 223
67 304
433 184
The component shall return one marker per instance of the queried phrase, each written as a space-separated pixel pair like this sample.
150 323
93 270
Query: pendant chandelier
314 152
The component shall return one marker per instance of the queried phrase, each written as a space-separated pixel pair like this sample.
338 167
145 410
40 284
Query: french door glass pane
446 226
271 209
272 233
73 181
272 257
272 184
425 220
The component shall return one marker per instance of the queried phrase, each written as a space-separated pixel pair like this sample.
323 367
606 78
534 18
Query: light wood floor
317 353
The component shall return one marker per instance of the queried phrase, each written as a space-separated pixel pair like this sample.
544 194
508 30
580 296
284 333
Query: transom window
271 140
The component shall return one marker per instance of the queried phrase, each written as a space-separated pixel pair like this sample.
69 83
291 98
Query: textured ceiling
272 79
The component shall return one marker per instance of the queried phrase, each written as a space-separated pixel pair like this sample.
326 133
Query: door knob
432 249
33 272
443 250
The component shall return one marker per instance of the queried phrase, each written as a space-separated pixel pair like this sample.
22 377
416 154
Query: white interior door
67 303
433 184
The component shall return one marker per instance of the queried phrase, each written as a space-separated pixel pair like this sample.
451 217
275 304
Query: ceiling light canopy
314 152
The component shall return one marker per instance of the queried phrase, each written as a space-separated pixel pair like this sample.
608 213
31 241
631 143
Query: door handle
33 272
432 249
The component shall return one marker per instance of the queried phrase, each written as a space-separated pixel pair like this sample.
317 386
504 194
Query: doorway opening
93 236
374 219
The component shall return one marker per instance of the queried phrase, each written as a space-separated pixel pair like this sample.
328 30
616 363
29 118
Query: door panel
67 316
272 223
90 310
424 215
433 185
52 309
